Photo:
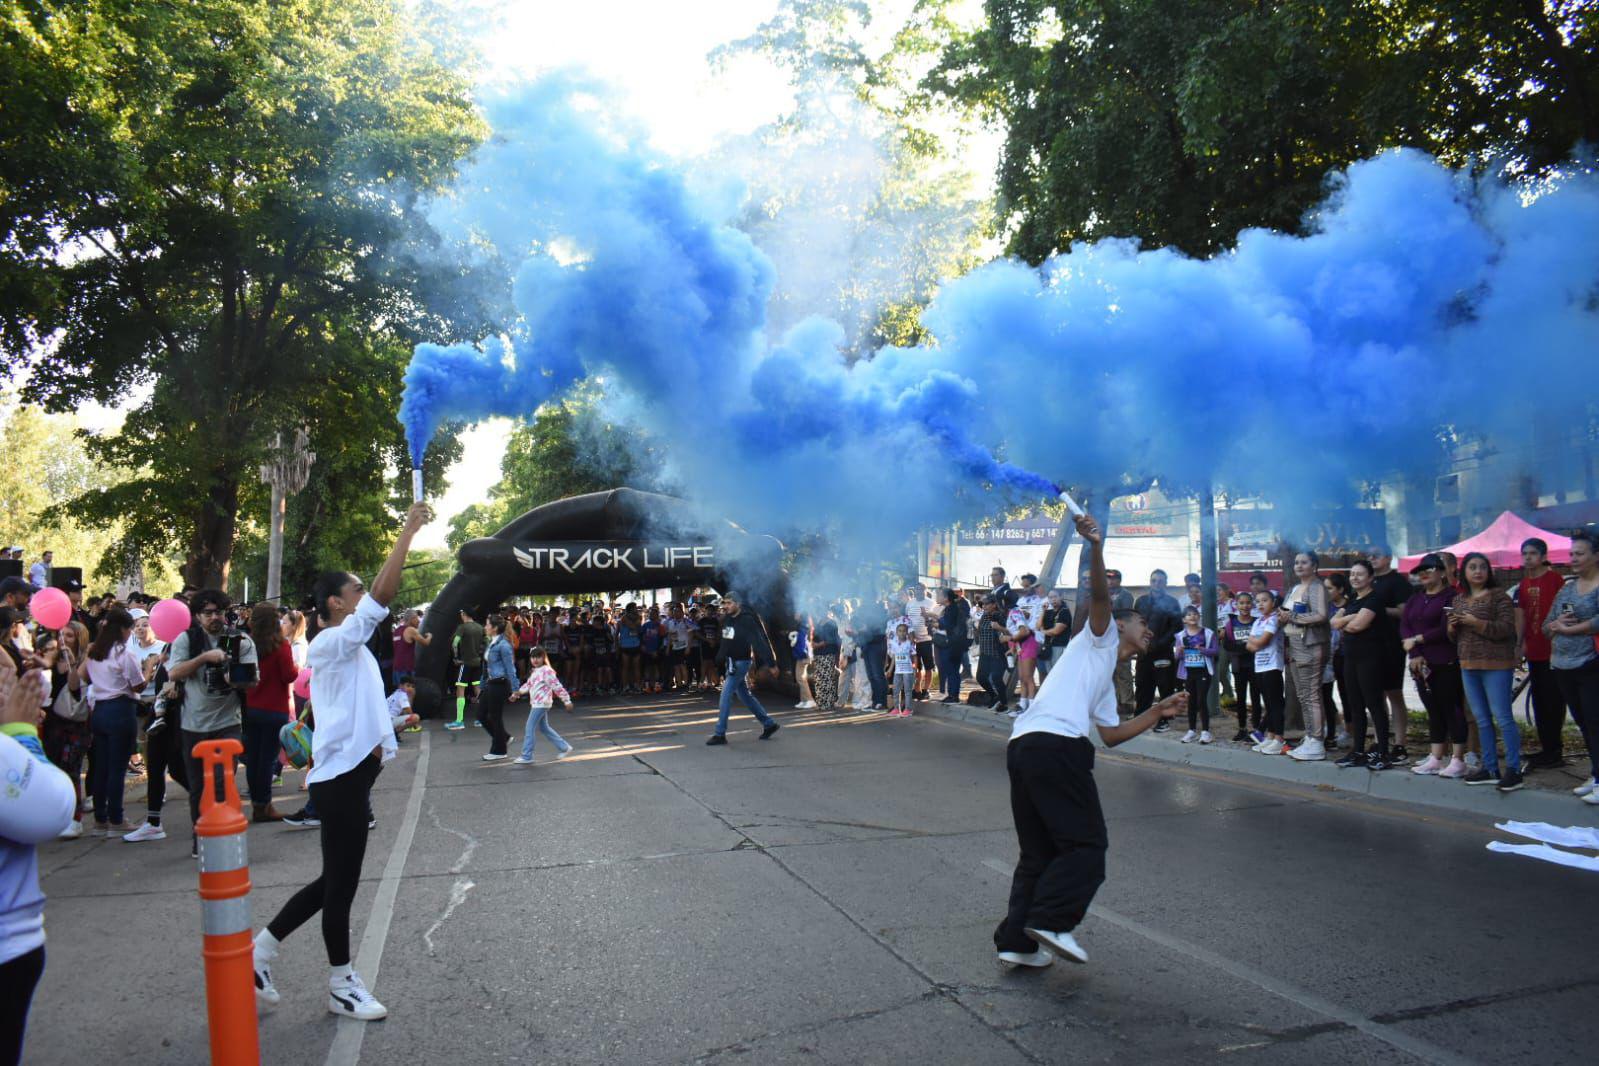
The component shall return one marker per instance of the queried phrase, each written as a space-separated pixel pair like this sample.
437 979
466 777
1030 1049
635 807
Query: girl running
542 688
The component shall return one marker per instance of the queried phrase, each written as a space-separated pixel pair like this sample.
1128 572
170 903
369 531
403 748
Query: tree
1181 122
222 203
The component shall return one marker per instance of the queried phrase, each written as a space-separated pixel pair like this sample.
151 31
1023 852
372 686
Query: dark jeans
1245 690
1364 687
1154 682
115 727
161 757
873 653
949 666
1197 685
991 677
196 768
342 805
491 712
1581 689
18 978
261 747
1443 696
1548 708
1060 831
1270 683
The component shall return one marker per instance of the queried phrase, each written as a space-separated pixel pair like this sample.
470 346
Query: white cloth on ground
1575 836
1548 854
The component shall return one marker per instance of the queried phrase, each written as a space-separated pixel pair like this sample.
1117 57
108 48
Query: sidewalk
1547 797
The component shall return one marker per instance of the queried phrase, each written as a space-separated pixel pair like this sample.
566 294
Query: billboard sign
1250 539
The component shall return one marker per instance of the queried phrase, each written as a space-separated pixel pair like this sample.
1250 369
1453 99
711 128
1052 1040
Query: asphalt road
828 897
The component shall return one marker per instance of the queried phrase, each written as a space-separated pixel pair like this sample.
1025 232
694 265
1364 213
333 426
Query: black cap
1431 561
1117 574
14 584
73 585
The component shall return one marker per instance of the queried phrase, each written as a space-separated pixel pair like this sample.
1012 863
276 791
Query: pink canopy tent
1501 543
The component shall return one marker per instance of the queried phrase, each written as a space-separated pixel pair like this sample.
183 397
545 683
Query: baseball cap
14 584
1431 561
137 613
1117 574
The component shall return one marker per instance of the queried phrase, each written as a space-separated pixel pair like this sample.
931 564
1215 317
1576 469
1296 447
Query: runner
1059 825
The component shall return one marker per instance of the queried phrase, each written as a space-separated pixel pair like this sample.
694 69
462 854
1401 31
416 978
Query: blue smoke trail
1296 367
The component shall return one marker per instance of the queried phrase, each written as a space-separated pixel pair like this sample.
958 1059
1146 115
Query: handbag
295 740
72 708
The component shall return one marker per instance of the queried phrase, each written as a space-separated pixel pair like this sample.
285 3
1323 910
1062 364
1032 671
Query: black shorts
924 653
469 676
679 657
630 655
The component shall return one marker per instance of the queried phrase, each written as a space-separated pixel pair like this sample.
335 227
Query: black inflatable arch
602 542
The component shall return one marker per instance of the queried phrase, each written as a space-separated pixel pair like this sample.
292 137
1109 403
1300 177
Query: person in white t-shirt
354 737
902 657
1059 825
1267 645
401 716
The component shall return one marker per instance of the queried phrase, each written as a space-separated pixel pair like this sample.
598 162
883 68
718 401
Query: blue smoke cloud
1296 367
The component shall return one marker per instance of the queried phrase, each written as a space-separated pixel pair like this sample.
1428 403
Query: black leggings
1270 684
1197 685
1246 689
1581 689
342 805
1444 698
1364 692
18 978
491 712
162 755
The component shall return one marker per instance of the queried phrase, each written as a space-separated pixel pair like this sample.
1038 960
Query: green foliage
1182 122
220 202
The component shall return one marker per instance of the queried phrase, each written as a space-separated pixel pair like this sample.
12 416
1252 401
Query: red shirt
277 673
1535 597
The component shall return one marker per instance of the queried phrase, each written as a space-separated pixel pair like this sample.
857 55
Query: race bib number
1193 657
727 633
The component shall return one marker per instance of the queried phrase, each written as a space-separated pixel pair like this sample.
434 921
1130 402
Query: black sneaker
714 739
371 823
1241 736
1510 781
1398 757
1377 762
766 734
1162 725
301 820
1000 708
1354 760
1545 760
1479 776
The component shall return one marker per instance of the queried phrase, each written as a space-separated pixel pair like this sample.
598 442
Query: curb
1398 785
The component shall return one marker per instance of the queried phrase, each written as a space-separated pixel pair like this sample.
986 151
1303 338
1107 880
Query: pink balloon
302 684
50 608
169 618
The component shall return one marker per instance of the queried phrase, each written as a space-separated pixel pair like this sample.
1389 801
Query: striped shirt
543 686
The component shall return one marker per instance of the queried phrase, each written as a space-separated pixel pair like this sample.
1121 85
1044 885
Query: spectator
1224 690
294 633
1304 622
1540 584
1483 626
1000 589
871 636
825 647
1573 620
214 664
1196 652
1157 674
406 638
67 740
1120 600
799 644
991 652
1394 589
1055 632
1258 583
401 717
1424 629
954 627
266 709
1235 635
39 572
15 594
1338 594
1023 640
1360 622
117 679
1265 643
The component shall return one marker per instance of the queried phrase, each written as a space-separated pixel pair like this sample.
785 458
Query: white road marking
1301 997
346 1047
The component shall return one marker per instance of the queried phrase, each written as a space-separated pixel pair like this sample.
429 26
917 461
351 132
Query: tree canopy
219 204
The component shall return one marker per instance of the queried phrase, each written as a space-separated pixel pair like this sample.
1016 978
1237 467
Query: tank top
404 653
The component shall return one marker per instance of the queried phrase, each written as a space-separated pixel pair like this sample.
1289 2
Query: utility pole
287 473
1207 580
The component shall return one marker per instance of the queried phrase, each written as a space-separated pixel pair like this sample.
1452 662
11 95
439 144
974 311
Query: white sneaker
87 805
73 831
266 993
1205 737
1310 750
350 999
1586 788
521 761
1063 944
564 754
146 832
1591 798
1273 746
1190 736
1036 959
1344 739
494 758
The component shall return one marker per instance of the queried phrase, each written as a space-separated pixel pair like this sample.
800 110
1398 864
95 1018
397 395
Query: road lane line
346 1047
1301 997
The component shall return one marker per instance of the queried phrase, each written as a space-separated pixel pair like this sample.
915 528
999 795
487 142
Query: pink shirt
117 675
542 686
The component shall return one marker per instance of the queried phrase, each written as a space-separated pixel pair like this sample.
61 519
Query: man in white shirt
1059 825
354 737
39 572
920 608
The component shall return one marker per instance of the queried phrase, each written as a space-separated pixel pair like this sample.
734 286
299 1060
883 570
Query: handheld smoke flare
1071 505
416 484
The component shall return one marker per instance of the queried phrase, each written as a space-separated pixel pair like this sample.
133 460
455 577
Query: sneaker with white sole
146 832
491 757
564 754
1456 768
266 993
73 831
1309 750
1273 746
1473 761
1063 944
1190 736
1205 737
522 761
350 999
1592 799
454 726
1586 788
1036 959
1428 767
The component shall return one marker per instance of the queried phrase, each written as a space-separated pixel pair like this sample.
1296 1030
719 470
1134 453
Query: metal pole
1207 581
274 582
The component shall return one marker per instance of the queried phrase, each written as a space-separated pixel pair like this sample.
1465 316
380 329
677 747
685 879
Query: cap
1117 574
137 613
14 584
73 585
1431 561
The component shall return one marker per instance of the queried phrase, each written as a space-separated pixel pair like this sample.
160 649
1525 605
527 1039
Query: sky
659 67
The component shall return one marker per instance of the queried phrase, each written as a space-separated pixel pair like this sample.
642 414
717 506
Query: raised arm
387 583
1099 605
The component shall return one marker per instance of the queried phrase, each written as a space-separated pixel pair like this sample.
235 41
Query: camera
231 674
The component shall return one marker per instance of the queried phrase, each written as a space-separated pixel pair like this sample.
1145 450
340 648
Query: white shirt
918 611
680 629
1080 691
1034 605
1271 656
904 655
352 715
38 575
117 675
895 623
399 705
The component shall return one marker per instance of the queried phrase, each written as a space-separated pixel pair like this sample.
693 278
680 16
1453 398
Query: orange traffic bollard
225 910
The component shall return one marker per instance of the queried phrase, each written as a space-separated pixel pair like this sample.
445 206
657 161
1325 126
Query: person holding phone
1303 618
1482 622
1572 624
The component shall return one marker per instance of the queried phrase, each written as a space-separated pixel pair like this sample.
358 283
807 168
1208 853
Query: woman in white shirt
117 679
1266 643
352 741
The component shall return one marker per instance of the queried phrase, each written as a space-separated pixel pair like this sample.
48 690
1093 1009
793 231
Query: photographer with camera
215 663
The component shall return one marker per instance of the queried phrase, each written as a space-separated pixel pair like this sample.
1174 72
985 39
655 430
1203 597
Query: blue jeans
115 727
538 721
736 685
874 652
1488 693
950 657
